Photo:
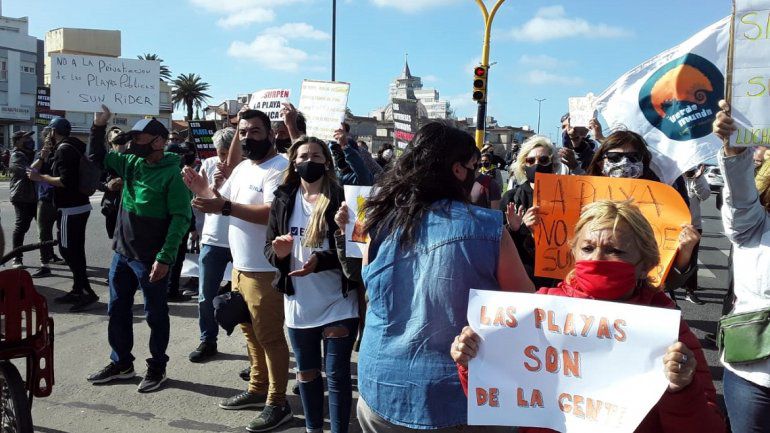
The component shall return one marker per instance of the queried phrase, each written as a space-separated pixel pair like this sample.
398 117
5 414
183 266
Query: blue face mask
29 145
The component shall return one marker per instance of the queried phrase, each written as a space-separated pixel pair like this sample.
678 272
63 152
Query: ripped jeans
338 339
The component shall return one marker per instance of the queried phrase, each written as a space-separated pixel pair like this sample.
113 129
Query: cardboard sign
323 103
581 110
561 198
84 83
269 102
750 85
43 112
355 238
571 365
405 121
201 134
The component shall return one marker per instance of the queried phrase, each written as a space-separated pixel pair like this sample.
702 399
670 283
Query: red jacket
691 410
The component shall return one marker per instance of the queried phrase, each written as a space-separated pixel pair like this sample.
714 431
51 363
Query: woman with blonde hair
318 303
615 249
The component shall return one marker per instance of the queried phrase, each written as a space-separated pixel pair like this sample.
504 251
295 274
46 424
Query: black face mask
256 150
141 150
311 171
282 145
486 164
189 159
537 168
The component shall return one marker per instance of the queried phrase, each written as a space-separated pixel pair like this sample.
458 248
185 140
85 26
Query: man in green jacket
154 216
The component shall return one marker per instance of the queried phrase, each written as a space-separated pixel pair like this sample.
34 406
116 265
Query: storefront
13 119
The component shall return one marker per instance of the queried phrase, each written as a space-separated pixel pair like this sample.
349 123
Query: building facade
408 86
20 56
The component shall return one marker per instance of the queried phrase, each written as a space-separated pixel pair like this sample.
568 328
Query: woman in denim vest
428 248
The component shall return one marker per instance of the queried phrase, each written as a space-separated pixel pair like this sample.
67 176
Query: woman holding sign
615 249
318 303
428 248
745 333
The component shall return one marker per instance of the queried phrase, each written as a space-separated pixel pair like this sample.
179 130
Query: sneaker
17 264
245 374
295 388
270 418
84 302
44 271
692 297
177 297
56 260
190 292
112 372
153 379
204 351
69 298
244 400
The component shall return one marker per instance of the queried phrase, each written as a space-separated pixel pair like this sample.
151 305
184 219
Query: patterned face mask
623 168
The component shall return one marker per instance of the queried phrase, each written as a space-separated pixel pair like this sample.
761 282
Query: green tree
165 72
190 91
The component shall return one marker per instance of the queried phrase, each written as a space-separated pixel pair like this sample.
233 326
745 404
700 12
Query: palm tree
165 72
189 90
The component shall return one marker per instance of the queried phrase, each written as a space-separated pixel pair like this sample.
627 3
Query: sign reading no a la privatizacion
323 103
571 365
84 83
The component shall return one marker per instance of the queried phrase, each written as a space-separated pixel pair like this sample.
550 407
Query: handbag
745 337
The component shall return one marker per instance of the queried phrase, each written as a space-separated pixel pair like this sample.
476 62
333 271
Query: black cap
230 310
148 126
21 134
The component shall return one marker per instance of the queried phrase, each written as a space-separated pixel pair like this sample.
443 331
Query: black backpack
89 173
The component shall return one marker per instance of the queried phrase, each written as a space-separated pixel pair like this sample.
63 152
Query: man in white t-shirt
246 197
215 251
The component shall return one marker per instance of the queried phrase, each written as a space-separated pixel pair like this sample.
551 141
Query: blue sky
543 49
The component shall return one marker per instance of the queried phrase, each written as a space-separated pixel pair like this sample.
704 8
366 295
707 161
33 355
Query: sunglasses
540 160
615 157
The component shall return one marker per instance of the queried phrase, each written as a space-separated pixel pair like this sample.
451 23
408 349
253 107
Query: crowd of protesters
442 220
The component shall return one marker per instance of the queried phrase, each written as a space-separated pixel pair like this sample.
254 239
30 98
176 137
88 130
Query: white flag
671 100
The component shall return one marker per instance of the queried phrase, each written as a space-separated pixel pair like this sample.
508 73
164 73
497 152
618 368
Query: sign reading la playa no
84 83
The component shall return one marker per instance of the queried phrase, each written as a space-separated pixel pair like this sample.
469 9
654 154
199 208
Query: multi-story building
92 42
408 86
20 73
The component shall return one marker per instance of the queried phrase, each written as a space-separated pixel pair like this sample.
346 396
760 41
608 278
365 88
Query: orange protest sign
561 199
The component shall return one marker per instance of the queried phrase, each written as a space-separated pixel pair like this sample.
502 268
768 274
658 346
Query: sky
539 48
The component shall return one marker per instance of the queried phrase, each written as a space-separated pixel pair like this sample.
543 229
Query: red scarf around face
604 280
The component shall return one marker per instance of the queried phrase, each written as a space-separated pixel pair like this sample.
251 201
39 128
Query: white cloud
412 6
462 103
246 17
430 79
553 23
298 31
541 61
539 77
270 51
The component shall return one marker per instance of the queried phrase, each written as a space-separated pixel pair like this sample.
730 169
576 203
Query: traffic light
480 83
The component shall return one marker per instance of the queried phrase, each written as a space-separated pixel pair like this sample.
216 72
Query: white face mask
623 168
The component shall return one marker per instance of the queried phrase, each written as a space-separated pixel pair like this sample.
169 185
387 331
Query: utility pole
334 37
481 114
539 103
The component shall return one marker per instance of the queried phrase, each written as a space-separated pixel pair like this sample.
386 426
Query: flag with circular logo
672 99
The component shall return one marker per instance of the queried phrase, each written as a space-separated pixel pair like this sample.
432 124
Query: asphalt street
188 403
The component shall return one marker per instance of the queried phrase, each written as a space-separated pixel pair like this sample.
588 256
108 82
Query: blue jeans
126 275
306 344
212 263
748 404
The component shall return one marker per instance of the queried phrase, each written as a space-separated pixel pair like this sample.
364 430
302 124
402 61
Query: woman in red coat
614 250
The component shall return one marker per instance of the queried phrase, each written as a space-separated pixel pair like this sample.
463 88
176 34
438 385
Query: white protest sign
323 103
751 73
84 83
269 102
355 238
581 110
572 365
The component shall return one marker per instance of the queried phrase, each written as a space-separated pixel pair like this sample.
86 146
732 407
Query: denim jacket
418 301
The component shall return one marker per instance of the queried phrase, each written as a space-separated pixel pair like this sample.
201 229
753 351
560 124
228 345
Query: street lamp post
334 37
481 114
539 104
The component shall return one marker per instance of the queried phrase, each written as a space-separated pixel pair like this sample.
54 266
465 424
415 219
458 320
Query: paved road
189 402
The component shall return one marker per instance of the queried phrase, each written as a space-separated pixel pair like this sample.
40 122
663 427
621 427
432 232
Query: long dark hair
619 139
419 178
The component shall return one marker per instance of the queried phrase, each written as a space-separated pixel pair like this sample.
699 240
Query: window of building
3 70
9 29
28 69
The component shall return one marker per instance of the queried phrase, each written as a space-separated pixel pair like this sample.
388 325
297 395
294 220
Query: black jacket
66 166
23 190
278 225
